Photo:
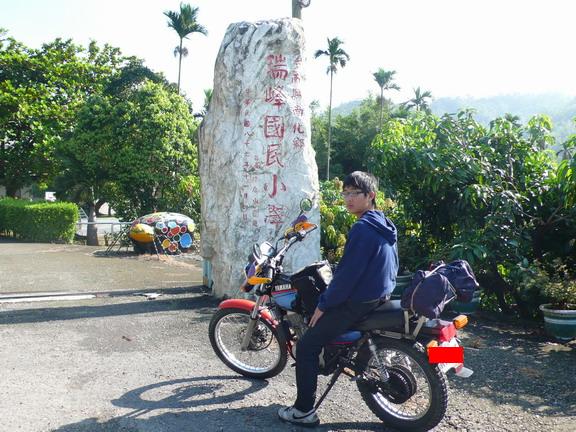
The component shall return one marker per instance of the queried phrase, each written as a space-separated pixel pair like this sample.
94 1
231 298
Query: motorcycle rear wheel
422 387
266 354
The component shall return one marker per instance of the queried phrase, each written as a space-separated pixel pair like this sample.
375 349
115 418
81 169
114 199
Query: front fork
254 315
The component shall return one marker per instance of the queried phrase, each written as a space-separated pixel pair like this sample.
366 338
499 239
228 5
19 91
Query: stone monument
256 160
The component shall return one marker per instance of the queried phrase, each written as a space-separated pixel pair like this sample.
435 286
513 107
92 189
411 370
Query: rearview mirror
306 205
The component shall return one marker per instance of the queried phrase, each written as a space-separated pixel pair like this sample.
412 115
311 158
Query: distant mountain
560 108
346 108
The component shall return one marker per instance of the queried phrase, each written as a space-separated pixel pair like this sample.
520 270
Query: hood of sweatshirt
381 224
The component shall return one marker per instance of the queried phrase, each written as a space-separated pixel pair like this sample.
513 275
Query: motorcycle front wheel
416 396
266 354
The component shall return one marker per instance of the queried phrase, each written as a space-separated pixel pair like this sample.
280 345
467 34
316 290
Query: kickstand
335 377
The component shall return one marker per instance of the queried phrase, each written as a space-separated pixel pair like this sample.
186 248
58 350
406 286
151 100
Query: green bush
494 196
335 220
38 221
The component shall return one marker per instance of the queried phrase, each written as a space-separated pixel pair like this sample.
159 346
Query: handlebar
293 237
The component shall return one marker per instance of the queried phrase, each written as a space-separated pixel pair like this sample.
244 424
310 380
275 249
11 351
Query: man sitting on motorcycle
364 278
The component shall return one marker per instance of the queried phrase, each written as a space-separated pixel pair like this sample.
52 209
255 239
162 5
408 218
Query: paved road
42 267
117 362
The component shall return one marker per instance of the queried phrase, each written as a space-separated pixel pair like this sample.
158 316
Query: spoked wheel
416 395
266 354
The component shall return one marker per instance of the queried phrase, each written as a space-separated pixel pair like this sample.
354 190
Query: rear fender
248 306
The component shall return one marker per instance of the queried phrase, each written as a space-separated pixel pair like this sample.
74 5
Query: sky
467 48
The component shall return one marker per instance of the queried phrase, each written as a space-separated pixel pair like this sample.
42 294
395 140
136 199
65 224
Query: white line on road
47 298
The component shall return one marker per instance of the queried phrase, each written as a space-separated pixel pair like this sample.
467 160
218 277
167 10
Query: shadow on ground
190 402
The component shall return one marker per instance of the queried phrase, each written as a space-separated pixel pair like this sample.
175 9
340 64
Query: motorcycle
386 354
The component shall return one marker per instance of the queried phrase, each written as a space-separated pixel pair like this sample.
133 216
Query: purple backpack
462 278
429 291
427 294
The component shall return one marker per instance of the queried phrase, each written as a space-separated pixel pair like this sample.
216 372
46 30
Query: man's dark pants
332 324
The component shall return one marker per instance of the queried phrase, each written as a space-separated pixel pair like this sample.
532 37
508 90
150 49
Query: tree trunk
329 127
491 283
92 230
99 205
381 105
12 191
296 9
179 64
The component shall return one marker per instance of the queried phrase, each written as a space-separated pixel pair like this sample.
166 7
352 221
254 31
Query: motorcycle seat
389 315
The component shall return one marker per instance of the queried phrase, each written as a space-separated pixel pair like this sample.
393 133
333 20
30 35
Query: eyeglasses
350 194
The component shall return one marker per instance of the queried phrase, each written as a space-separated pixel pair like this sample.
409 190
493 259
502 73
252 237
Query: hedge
38 221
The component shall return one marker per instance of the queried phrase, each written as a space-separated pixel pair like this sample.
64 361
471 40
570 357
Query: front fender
247 305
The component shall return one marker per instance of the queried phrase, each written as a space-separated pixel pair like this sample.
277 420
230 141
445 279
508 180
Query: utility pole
297 6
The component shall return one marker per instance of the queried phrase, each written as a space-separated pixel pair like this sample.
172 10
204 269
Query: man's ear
372 195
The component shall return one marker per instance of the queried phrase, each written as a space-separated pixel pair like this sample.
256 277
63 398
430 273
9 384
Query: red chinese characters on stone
257 163
296 93
273 155
277 67
275 96
273 126
300 132
275 215
298 111
298 143
298 128
296 78
275 186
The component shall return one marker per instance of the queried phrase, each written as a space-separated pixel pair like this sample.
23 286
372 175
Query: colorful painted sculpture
162 232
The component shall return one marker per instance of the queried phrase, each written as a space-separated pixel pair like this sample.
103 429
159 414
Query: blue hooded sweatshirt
368 268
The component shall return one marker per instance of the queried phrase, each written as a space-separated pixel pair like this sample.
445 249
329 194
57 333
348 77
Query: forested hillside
560 108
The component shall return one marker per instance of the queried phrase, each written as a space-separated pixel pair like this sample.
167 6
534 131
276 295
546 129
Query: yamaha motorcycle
387 354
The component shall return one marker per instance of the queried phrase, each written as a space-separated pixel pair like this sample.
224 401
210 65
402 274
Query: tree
490 196
41 91
138 149
337 57
385 80
297 6
84 176
83 180
207 99
184 23
419 100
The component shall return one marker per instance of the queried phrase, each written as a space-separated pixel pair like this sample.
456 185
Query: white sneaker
297 417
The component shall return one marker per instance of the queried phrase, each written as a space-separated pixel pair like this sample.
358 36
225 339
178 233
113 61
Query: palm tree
385 80
337 56
419 100
207 99
184 23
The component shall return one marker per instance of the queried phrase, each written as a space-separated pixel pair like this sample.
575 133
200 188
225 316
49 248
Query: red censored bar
446 355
